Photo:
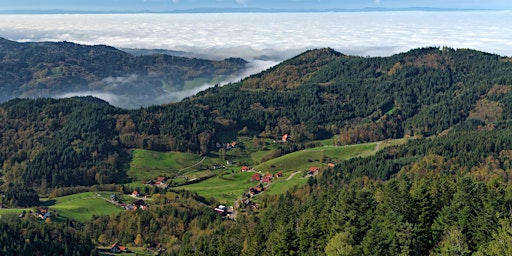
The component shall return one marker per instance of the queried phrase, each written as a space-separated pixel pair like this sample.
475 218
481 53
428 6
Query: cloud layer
267 38
273 35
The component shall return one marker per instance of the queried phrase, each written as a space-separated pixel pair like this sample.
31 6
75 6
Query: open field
227 187
320 156
224 187
147 165
280 186
83 206
15 211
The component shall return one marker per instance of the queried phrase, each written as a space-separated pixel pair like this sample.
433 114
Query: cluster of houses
158 182
137 204
267 178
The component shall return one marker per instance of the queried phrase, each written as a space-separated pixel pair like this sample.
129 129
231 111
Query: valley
322 153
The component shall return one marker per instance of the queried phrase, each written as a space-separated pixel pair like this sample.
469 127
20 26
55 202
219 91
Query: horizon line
246 10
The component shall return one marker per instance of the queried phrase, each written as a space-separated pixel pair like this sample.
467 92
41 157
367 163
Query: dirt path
293 174
196 164
377 146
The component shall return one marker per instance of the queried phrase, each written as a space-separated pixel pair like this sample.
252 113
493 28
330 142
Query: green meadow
282 185
225 187
147 165
320 157
230 184
83 206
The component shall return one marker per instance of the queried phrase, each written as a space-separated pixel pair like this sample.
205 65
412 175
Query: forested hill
80 141
321 92
44 69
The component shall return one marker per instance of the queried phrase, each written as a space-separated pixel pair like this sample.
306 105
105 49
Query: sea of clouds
265 39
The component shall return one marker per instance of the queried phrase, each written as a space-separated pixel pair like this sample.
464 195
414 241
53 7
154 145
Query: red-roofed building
331 165
245 168
265 180
256 177
285 137
135 193
117 248
314 170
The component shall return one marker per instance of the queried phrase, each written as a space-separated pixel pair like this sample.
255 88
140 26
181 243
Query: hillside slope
422 92
46 69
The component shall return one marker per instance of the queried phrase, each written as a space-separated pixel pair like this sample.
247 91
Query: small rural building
135 193
285 137
245 168
221 210
314 170
331 165
139 203
117 248
279 174
256 177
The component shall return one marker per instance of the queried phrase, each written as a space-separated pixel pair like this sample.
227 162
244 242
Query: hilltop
46 69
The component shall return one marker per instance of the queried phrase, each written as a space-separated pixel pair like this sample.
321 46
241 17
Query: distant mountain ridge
242 10
46 69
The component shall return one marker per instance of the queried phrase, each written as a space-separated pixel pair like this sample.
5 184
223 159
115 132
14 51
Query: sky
172 5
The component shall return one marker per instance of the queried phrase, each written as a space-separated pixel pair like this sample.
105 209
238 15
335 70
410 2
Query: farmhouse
139 204
245 168
314 170
231 145
256 177
117 248
218 166
267 178
255 190
43 213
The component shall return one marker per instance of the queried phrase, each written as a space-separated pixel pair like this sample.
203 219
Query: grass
228 187
225 187
83 206
15 211
280 186
147 165
304 159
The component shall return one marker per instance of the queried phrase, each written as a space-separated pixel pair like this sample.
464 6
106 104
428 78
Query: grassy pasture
83 206
225 187
228 187
304 159
282 185
147 165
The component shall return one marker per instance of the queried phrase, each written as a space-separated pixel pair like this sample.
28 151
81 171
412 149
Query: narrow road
196 164
293 174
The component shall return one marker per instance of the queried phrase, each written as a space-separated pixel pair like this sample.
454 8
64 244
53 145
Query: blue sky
169 5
